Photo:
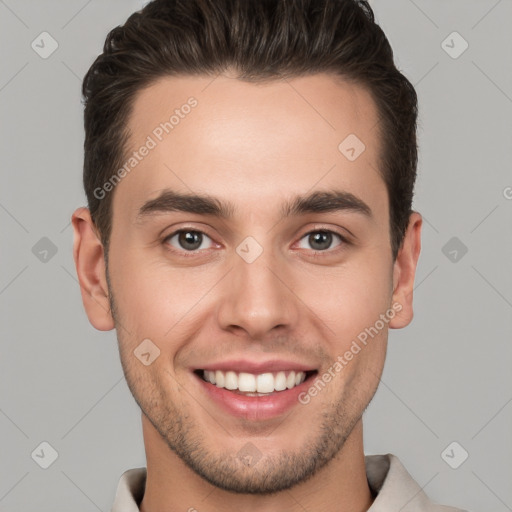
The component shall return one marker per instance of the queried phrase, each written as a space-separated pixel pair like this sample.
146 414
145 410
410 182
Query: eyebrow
203 204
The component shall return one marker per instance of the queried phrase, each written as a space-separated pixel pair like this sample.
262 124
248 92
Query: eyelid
343 233
315 229
343 240
184 252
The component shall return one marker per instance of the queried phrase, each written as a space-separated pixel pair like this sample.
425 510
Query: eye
320 240
188 239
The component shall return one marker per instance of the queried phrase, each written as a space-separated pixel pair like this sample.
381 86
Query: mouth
254 385
254 396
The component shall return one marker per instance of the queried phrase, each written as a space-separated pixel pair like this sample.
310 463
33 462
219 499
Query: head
281 140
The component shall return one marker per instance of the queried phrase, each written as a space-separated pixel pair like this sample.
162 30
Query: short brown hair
261 40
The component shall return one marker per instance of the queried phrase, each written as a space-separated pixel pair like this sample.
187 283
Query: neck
341 485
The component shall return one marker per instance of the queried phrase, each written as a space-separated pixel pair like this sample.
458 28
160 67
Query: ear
89 259
404 270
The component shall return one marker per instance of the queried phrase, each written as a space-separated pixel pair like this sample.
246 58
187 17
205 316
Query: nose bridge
256 297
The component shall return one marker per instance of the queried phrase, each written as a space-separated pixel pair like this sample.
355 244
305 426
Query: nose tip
256 299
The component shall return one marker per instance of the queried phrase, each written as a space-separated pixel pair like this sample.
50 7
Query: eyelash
315 253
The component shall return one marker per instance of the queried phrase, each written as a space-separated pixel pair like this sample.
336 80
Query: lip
254 367
254 408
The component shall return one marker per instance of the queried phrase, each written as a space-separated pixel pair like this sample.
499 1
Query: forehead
252 142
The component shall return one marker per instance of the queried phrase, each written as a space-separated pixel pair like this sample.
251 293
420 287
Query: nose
257 297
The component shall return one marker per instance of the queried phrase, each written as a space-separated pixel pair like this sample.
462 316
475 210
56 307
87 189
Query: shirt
392 486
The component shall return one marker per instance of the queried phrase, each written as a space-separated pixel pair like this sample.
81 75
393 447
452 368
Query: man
249 169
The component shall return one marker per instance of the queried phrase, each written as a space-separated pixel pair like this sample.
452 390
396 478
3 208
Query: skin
255 145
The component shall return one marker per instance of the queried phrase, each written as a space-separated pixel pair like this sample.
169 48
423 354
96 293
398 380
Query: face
276 278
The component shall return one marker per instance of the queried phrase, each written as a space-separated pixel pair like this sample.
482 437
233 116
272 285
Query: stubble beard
272 473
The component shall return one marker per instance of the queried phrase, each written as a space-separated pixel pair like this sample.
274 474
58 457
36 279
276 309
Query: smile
255 385
254 396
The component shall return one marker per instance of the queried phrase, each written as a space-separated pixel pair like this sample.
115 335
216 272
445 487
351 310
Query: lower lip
255 407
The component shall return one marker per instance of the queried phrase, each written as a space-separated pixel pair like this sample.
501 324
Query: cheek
147 382
154 299
349 299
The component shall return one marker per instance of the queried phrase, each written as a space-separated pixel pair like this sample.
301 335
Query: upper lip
243 365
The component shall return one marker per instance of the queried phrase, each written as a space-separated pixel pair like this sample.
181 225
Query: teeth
246 382
290 381
265 383
254 385
219 379
231 380
280 382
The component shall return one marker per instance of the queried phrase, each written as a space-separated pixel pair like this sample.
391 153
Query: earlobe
404 271
89 259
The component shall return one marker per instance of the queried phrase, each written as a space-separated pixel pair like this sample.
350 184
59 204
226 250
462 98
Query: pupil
321 239
191 238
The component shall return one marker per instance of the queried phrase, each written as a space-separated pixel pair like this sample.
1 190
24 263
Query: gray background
448 374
